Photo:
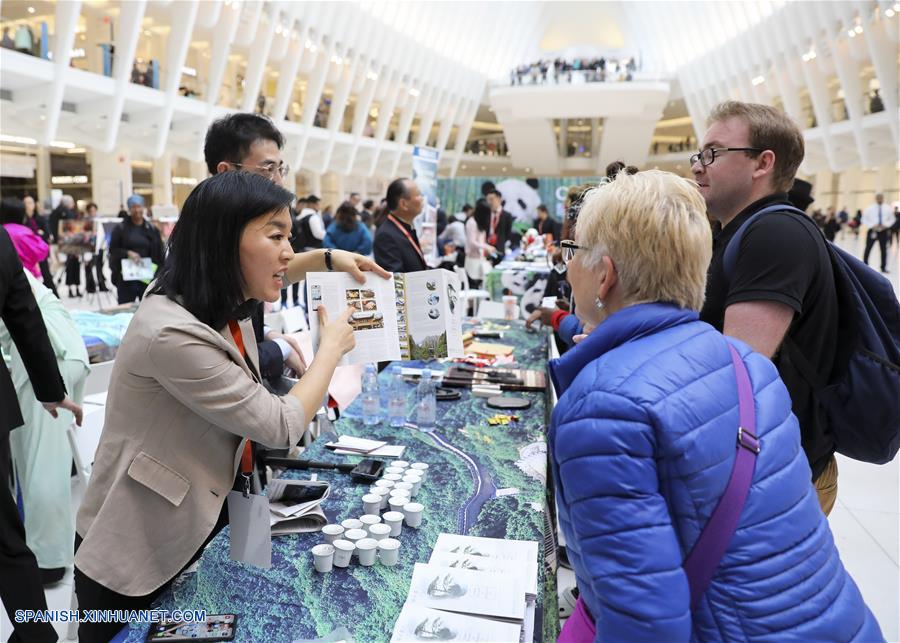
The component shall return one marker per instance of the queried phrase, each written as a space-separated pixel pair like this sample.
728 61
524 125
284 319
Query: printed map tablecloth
483 481
525 280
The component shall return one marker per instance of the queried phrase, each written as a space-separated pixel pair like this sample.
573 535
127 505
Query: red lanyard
408 236
247 455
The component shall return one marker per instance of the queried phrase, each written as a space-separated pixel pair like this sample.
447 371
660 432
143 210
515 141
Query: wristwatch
329 266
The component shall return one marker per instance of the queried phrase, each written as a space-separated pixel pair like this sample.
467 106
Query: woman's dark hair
398 189
346 217
203 268
12 210
482 215
229 138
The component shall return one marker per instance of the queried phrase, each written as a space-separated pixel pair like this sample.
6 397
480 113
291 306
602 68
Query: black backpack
861 397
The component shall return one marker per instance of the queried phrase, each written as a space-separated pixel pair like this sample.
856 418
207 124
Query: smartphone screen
217 627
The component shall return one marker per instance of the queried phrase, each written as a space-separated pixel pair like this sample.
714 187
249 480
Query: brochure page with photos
411 316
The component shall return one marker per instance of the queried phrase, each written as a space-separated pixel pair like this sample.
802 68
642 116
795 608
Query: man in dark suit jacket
500 230
20 580
396 244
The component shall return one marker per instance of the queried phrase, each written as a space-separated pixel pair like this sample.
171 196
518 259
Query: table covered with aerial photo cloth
482 480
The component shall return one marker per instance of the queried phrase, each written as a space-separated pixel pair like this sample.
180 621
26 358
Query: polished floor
865 521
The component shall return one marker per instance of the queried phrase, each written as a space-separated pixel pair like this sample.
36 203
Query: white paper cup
371 503
366 549
394 520
419 466
400 463
386 484
400 493
396 503
343 552
370 519
351 523
332 532
412 512
405 485
380 531
355 535
323 556
399 470
415 481
383 493
392 477
389 551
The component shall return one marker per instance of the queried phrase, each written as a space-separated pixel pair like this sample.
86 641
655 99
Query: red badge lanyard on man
408 236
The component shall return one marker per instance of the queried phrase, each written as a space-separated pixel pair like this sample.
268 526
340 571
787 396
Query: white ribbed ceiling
492 37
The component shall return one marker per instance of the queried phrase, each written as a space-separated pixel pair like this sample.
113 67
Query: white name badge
251 533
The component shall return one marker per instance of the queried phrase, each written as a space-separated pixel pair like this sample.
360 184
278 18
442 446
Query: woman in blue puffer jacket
643 443
347 232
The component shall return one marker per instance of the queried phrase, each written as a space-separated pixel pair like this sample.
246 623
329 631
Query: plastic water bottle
397 399
426 402
370 400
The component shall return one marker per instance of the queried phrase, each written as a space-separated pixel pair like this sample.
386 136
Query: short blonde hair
653 226
770 129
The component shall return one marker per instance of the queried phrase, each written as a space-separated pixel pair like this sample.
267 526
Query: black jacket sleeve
22 317
387 252
271 362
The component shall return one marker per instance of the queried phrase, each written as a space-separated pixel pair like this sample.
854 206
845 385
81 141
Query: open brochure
414 315
417 623
489 554
490 594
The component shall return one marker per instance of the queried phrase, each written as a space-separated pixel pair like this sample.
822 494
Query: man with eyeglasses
780 298
250 142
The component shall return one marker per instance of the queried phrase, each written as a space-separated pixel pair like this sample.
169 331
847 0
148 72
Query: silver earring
598 303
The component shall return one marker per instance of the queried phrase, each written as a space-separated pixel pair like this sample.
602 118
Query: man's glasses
268 170
568 249
708 156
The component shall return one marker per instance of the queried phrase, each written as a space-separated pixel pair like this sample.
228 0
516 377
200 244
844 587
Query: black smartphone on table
216 627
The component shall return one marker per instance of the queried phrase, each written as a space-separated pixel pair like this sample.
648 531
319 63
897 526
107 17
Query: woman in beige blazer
183 399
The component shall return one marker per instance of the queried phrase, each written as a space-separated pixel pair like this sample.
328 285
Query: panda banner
425 173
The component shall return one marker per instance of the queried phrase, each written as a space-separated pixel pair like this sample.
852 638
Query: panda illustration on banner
521 199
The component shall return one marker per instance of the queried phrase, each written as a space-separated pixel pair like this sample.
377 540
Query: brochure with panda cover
489 554
416 315
417 623
481 593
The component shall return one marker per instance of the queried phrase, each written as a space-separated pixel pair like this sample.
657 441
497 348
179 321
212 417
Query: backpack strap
701 564
729 259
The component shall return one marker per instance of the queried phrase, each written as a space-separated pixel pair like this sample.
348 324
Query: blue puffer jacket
358 240
643 443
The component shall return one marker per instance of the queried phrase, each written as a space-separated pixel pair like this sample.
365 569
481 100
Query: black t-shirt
783 258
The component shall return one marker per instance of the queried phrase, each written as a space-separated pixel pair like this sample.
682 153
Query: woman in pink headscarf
29 246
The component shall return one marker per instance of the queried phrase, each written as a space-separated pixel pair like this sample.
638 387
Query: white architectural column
110 180
162 180
42 173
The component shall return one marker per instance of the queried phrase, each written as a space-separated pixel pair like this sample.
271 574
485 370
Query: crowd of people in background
561 70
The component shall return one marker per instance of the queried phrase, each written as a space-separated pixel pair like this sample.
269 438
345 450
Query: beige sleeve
204 378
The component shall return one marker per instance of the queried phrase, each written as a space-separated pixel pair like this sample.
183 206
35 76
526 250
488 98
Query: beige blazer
181 403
